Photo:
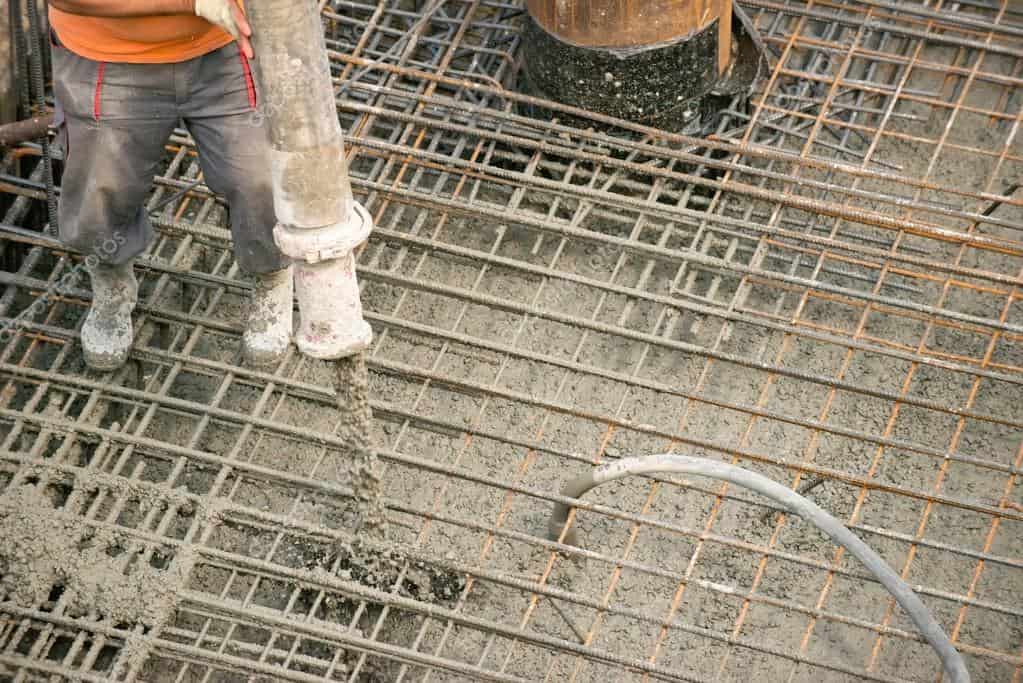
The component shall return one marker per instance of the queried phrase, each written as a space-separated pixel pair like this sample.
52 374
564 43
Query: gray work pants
116 120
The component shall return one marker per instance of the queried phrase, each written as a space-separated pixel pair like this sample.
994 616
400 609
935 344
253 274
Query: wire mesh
826 289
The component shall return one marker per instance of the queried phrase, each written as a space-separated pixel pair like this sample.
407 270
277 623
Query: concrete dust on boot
44 547
107 332
355 417
268 328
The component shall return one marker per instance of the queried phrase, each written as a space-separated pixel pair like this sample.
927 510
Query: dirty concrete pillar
625 23
649 61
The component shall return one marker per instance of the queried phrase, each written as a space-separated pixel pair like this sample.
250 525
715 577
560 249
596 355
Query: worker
126 72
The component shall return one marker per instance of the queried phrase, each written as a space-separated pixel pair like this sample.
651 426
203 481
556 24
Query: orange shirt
142 40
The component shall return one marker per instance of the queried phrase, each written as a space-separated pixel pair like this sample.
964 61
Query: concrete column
625 23
649 61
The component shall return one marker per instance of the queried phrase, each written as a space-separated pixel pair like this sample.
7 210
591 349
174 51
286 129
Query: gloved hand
228 15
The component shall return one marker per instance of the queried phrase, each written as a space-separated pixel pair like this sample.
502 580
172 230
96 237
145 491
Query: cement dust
97 571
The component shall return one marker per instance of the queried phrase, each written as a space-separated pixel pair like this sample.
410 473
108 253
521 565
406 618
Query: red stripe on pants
250 86
97 99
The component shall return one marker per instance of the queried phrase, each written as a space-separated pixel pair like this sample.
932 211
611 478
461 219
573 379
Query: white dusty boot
107 333
268 330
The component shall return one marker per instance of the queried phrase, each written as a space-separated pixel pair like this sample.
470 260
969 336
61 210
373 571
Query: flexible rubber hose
793 503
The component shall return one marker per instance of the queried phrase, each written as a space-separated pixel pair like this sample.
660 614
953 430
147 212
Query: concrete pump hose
793 503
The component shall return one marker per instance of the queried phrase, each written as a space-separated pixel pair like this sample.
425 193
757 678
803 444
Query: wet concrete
354 420
50 552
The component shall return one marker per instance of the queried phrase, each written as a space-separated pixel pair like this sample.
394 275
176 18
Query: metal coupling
331 324
313 245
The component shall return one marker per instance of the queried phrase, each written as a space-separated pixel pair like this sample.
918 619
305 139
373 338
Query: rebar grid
826 291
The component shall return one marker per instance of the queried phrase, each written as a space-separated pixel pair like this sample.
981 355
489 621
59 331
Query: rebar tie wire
793 503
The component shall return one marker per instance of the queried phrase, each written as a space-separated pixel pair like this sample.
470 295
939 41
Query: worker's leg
234 151
115 120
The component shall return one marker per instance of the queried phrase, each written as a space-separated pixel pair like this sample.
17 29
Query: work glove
228 15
